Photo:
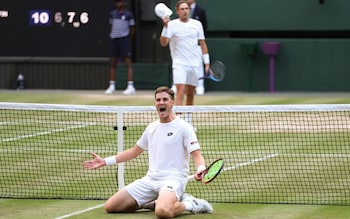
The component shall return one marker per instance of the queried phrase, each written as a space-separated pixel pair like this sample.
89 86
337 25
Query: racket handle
191 177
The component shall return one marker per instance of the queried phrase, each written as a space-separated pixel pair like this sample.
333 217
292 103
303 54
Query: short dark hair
165 89
180 2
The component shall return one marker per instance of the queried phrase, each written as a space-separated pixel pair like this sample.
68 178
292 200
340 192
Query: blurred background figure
188 49
20 82
122 30
198 13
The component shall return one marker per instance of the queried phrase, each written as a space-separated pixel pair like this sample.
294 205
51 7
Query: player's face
183 11
164 105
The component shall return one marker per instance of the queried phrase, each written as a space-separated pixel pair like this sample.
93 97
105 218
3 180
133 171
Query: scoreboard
55 28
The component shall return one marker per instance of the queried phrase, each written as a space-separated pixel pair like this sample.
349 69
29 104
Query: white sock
200 83
188 206
112 84
130 83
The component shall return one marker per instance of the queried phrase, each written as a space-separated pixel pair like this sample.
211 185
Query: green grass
145 98
51 208
35 209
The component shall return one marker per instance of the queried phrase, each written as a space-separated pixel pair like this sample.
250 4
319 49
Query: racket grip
191 177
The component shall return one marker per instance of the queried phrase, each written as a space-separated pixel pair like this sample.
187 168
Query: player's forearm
163 41
198 159
204 47
200 163
123 156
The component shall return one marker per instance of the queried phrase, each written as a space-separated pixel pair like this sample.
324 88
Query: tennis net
279 154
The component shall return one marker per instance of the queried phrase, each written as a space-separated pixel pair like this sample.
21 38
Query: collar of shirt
193 6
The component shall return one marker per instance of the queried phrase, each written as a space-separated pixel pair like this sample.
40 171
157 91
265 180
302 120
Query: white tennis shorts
189 75
145 190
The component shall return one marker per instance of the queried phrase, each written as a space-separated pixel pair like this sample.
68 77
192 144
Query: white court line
80 212
50 132
41 149
250 162
279 154
242 164
42 133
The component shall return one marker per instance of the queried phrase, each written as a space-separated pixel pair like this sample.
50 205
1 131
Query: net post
120 175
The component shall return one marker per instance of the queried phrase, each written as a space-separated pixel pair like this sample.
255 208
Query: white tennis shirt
183 42
169 146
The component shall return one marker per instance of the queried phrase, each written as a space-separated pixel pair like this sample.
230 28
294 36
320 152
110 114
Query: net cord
202 108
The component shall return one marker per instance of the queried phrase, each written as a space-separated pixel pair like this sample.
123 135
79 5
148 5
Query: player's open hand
97 162
166 20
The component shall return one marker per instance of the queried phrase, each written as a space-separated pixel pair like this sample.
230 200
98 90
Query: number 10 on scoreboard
39 17
43 18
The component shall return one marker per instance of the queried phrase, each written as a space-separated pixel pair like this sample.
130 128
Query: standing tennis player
183 35
170 142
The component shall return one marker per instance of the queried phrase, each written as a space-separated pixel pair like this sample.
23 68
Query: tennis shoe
110 90
199 206
129 90
150 205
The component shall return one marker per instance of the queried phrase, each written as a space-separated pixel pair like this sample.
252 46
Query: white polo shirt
169 146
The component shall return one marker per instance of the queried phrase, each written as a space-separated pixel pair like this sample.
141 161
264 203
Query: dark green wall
314 37
301 65
78 73
277 14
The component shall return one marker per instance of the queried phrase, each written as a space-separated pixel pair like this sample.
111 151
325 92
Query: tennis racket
216 72
211 172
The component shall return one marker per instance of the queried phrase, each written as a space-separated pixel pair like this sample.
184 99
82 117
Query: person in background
122 30
188 49
20 82
198 13
170 142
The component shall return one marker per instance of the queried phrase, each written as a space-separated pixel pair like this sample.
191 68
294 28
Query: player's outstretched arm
199 163
124 156
96 163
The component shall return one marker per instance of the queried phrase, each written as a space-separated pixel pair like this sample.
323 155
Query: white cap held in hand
162 10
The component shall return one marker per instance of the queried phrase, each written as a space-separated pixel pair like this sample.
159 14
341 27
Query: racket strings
217 69
213 171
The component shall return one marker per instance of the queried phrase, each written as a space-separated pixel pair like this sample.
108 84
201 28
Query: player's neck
184 20
168 119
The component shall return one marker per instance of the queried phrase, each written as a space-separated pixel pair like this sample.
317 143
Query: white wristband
206 58
110 160
164 32
201 168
